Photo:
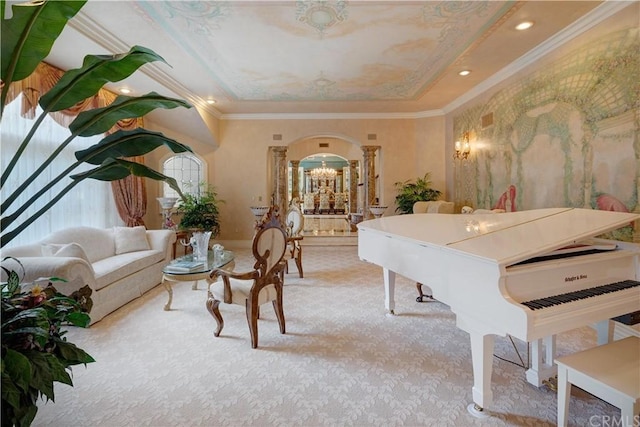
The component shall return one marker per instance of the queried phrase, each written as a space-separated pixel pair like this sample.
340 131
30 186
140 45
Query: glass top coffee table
169 276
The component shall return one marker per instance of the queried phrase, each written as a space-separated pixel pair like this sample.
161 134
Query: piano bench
610 372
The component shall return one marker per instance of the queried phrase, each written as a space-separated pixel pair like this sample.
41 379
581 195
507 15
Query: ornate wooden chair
325 204
295 225
309 203
256 287
339 204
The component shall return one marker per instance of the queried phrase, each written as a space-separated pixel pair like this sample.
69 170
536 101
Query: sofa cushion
62 249
97 242
112 269
71 250
130 239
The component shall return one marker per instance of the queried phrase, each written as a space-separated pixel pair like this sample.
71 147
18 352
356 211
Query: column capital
368 149
278 148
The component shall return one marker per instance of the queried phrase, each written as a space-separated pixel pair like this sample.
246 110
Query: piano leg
389 290
605 329
542 364
482 356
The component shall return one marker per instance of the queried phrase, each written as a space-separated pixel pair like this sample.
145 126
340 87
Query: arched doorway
321 185
323 169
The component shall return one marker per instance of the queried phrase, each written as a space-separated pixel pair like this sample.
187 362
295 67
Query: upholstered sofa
435 206
119 264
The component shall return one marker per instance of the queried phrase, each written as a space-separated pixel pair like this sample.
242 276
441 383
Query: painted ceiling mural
566 136
331 40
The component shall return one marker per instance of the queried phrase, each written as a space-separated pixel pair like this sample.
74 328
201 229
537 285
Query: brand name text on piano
574 278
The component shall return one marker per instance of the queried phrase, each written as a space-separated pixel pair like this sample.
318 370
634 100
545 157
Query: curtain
129 195
90 203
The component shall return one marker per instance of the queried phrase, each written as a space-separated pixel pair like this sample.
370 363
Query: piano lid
505 238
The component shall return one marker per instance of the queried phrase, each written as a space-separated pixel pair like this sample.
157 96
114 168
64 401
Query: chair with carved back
261 285
309 203
295 225
325 203
339 204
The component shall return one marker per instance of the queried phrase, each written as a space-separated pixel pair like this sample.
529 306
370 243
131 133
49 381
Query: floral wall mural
566 135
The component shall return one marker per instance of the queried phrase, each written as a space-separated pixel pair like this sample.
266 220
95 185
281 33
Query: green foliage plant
200 211
410 192
35 352
27 38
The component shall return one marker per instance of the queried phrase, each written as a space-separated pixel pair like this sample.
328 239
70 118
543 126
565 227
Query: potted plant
35 353
27 38
410 192
200 211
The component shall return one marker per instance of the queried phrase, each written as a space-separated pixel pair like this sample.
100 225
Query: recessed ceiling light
464 72
211 101
525 25
125 90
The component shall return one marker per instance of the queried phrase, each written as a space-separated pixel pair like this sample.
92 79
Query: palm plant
27 38
200 211
34 352
410 192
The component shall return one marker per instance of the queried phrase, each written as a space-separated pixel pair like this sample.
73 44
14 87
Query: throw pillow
131 239
64 250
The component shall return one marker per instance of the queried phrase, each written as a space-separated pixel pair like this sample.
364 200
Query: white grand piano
495 273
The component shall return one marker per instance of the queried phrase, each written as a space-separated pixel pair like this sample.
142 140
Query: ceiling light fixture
211 101
464 72
524 25
125 90
324 173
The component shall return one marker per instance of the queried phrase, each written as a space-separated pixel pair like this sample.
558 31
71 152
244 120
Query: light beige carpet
343 362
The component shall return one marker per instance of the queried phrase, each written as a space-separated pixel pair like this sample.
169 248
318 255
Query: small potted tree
200 219
410 192
200 211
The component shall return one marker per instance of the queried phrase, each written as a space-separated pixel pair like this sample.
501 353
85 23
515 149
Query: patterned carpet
342 362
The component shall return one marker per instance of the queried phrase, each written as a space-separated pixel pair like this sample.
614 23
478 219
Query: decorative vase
259 211
200 244
377 211
166 203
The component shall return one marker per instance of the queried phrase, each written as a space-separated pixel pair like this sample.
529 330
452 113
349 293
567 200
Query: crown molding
100 35
588 21
331 116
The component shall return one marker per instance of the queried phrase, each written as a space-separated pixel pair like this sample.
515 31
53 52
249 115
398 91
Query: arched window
188 170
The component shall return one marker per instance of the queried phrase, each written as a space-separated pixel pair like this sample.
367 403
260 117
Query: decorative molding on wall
587 22
332 116
94 31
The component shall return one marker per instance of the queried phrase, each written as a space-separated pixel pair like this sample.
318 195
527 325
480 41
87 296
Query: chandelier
323 173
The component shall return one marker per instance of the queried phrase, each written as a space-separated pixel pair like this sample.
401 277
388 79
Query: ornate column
353 186
279 187
369 178
295 192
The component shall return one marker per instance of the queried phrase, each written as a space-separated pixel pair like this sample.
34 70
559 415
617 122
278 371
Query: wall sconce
462 147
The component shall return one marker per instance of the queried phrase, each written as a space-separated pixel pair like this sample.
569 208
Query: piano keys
480 266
